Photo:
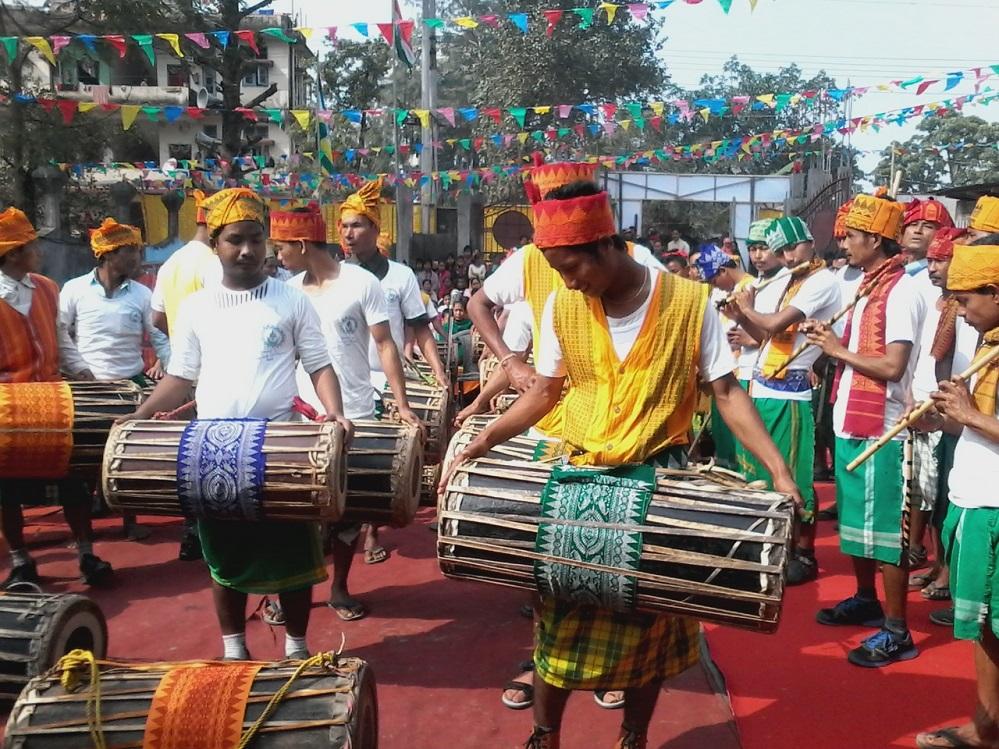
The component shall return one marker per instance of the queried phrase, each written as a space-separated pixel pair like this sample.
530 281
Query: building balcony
158 95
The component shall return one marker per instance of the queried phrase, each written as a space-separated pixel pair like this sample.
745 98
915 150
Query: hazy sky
859 42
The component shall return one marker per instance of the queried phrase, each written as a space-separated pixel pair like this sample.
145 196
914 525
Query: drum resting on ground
326 707
710 549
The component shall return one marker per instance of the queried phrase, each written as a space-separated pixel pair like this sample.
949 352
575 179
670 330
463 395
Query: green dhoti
972 537
726 446
263 557
870 501
791 425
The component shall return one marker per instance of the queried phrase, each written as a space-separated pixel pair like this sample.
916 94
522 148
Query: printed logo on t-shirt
273 337
391 296
348 327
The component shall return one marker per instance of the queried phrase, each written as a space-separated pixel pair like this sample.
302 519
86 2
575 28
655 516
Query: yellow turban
973 267
15 230
232 205
366 202
875 215
111 235
985 217
199 201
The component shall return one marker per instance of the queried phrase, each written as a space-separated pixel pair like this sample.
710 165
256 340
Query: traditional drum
36 630
428 485
486 368
54 430
703 549
227 469
433 405
200 705
502 402
384 468
517 448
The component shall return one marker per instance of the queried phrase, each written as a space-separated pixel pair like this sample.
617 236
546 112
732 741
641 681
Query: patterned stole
220 469
987 382
36 430
946 334
29 348
866 401
782 344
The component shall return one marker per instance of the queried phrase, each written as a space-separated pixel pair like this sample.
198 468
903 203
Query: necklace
633 297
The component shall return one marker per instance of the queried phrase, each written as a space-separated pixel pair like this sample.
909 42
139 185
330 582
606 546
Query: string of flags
608 116
51 46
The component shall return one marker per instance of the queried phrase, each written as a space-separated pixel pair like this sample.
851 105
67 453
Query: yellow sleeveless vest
627 411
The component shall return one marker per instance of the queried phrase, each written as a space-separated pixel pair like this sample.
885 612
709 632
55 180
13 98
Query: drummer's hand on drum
521 373
472 409
343 421
786 485
156 371
409 416
474 449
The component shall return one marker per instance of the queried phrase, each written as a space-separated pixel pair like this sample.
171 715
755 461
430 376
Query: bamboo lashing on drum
71 664
800 267
200 707
36 430
921 410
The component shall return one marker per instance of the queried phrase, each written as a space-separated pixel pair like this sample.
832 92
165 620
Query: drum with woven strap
294 471
433 405
200 705
54 430
37 629
384 469
707 549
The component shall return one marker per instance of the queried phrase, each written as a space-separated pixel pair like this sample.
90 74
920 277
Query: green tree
948 150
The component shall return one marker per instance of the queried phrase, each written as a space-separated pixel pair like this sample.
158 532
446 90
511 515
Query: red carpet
796 688
441 650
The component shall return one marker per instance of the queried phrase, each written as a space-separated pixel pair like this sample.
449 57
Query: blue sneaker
852 612
882 649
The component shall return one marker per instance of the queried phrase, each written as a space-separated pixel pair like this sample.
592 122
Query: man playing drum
34 346
634 341
240 342
351 308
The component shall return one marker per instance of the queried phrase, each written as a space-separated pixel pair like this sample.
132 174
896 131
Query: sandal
945 738
375 555
921 579
600 697
917 558
934 592
271 613
519 686
349 612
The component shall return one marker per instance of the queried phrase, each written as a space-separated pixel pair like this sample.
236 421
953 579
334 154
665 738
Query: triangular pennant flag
564 110
128 114
585 17
466 143
640 123
249 114
657 122
921 88
423 115
639 11
387 31
194 113
553 17
519 20
953 79
563 131
174 41
769 99
490 20
522 137
151 112
469 113
609 110
67 108
145 42
58 42
248 36
726 5
493 113
199 39
448 114
305 31
86 106
361 28
222 37
303 117
170 114
88 41
657 107
752 4
634 109
610 127
538 135
611 10
519 114
331 34
542 110
625 124
465 22
401 115
275 115
434 23
42 45
118 42
9 46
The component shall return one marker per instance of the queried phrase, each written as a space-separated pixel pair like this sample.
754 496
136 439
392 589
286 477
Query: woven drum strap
200 707
586 514
36 430
220 469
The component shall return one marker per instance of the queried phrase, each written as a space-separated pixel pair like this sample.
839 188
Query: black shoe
190 548
22 574
852 612
830 513
802 569
943 617
882 649
94 570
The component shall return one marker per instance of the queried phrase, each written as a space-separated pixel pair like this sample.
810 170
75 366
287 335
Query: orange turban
15 230
295 226
199 201
111 235
576 221
839 228
547 177
232 205
875 215
366 202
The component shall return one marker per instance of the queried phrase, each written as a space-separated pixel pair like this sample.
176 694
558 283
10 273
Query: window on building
211 130
176 75
210 81
258 75
179 151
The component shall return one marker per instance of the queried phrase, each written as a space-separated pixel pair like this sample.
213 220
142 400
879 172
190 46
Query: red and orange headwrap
839 228
111 236
927 210
295 226
15 230
544 178
942 244
571 222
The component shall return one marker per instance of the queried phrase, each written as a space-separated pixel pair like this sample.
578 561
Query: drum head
364 726
75 623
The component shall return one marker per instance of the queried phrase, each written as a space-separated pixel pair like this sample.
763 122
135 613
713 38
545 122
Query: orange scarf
946 334
984 393
782 344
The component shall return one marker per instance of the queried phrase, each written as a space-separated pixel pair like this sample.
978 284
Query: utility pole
428 101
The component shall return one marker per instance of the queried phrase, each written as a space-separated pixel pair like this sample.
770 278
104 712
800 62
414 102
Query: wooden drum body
433 405
325 708
36 630
428 484
710 551
384 468
305 471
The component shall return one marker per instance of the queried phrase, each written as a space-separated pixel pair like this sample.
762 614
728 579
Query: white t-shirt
241 347
849 279
747 357
403 301
716 359
678 245
209 268
518 331
477 271
347 308
906 311
506 285
924 379
975 473
819 299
